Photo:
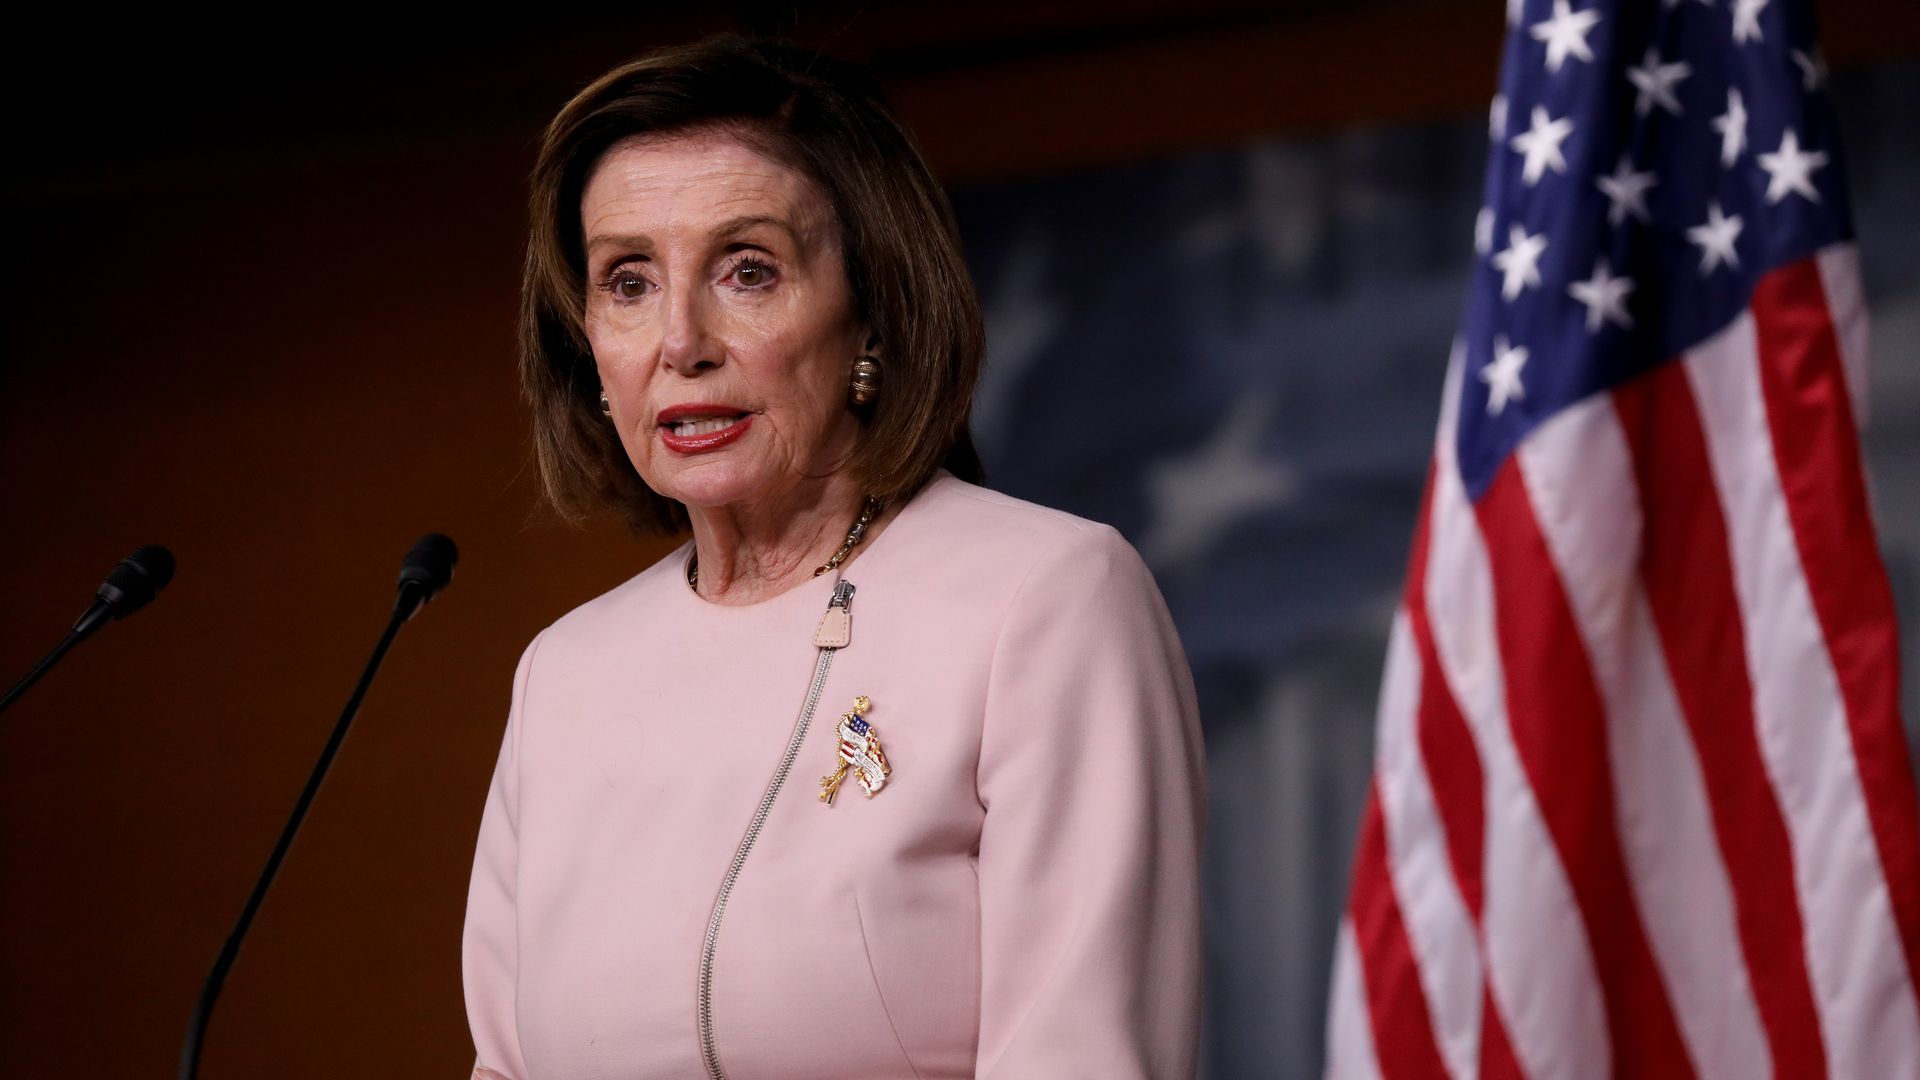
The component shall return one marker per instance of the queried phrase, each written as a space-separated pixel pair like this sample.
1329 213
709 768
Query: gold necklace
854 535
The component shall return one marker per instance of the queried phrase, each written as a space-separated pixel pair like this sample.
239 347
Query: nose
687 343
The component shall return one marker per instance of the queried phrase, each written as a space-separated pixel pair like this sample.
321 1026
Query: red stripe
1687 565
1496 1053
1559 729
1446 743
1816 447
1452 764
1396 1002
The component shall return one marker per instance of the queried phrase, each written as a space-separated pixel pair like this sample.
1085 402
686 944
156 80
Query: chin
715 483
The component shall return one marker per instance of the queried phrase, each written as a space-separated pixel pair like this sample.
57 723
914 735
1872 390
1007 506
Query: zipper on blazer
709 1052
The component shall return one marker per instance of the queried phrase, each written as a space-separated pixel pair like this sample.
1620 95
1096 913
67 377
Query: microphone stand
412 596
73 638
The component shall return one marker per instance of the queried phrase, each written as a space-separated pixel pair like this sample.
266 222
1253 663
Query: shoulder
967 515
601 619
1039 553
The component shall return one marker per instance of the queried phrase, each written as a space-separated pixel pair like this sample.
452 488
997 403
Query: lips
699 427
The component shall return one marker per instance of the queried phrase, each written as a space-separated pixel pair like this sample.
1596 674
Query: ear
871 344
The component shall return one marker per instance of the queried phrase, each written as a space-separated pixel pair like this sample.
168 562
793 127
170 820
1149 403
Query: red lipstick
711 440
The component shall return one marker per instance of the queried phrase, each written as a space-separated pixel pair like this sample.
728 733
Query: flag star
1746 20
1656 81
1790 169
1626 192
1540 145
1483 230
1715 240
1497 117
1813 70
1605 297
1519 264
1514 8
1565 34
1732 126
1502 376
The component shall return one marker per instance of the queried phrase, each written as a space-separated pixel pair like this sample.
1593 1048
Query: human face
720 318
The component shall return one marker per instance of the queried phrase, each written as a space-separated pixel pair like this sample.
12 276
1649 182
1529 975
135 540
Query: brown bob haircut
901 250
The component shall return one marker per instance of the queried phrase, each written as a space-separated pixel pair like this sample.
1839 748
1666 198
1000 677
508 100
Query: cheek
624 380
806 375
617 355
822 359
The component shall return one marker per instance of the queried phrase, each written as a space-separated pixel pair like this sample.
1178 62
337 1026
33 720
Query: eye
624 283
751 273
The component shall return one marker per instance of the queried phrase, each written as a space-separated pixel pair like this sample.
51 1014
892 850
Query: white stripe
1349 1031
1868 1015
1579 478
1847 305
1439 926
1539 965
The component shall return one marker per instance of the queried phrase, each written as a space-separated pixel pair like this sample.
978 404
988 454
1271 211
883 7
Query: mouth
695 428
704 426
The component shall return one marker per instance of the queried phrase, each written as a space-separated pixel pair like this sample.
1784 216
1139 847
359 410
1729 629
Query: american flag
1641 804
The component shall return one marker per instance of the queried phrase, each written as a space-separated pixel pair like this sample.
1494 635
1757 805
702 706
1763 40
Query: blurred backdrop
260 290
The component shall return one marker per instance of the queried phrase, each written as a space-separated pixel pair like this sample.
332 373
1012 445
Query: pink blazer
1019 899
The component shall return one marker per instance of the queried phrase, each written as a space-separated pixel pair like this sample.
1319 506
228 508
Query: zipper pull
836 626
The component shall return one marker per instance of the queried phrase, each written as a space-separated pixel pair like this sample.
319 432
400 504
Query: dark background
260 288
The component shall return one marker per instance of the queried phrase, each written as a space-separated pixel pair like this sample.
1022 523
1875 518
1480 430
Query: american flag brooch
859 752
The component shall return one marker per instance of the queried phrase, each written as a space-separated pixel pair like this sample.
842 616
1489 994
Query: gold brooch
859 750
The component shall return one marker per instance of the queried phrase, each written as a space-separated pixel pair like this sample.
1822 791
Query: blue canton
1649 162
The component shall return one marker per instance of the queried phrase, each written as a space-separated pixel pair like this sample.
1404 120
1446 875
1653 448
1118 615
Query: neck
751 552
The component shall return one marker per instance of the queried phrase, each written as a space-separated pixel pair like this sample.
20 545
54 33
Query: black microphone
131 586
426 570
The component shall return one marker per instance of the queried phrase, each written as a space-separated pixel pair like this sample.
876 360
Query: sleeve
1093 779
489 950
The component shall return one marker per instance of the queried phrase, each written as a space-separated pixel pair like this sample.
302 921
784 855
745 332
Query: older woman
882 774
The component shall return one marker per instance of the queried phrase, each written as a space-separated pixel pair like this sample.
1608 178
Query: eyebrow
734 226
730 227
619 240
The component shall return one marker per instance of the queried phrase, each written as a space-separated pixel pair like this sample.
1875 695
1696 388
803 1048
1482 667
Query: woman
882 774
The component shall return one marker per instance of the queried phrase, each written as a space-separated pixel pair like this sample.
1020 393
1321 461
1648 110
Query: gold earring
606 407
865 383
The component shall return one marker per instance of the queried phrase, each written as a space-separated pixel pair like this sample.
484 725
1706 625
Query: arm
490 946
1092 776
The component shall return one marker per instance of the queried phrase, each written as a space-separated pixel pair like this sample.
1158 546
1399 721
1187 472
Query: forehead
658 182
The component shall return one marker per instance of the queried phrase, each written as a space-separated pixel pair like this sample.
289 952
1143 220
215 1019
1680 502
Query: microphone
131 586
425 571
